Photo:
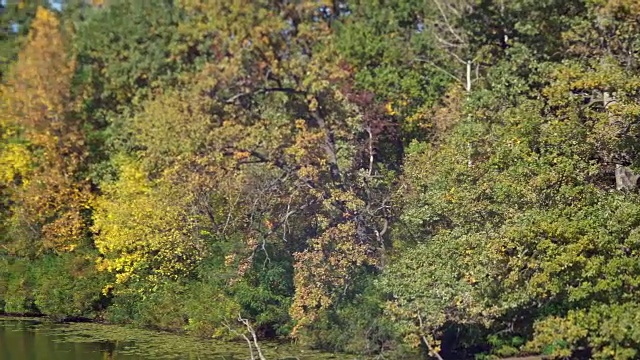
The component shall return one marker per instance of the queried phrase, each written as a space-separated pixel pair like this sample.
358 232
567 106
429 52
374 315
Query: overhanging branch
264 91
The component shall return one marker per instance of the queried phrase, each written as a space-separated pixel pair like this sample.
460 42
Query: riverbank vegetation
451 178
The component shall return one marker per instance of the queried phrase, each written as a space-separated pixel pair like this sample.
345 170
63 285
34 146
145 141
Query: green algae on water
133 343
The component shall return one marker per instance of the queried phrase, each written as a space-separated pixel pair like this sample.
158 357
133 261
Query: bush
601 332
163 308
358 325
16 287
69 286
209 310
265 297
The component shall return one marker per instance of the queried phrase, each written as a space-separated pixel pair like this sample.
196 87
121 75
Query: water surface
34 339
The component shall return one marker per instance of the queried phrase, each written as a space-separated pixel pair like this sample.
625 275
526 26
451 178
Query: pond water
34 339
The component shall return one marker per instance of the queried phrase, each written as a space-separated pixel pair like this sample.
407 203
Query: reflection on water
34 340
29 339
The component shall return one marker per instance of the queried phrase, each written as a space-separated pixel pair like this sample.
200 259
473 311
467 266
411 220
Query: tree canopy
442 179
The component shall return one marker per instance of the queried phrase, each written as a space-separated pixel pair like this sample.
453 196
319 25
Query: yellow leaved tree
143 229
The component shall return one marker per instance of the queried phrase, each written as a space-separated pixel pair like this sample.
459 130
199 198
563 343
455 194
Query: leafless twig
426 342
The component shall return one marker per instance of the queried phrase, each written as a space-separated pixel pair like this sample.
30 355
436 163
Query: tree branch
424 338
431 63
446 21
264 91
253 335
244 337
329 145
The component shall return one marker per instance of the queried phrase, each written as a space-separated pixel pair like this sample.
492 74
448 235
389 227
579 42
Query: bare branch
285 219
264 91
329 145
242 336
424 338
368 129
253 335
453 9
447 43
431 63
233 206
446 21
468 84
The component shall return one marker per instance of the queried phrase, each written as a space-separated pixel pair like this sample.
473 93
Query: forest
448 179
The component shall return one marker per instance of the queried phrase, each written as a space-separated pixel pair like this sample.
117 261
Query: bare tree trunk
251 345
245 338
253 335
468 85
370 150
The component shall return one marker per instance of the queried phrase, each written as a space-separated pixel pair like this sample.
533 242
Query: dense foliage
429 178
